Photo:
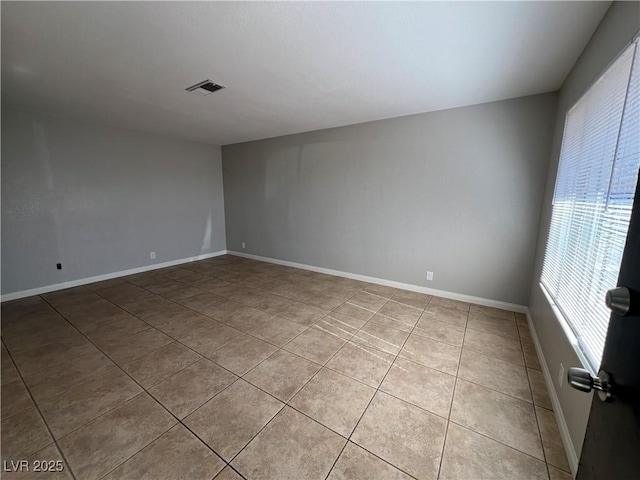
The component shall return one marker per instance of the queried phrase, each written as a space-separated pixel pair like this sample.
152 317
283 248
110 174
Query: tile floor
229 368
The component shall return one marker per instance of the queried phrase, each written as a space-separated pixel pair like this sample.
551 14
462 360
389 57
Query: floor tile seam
299 356
54 441
18 412
178 341
201 357
340 373
358 306
452 395
522 342
329 332
378 387
102 414
482 434
330 310
160 435
464 336
325 331
370 310
282 407
529 402
180 304
78 384
374 346
17 338
416 405
462 312
488 316
376 294
181 420
377 390
270 343
95 345
52 341
409 360
347 376
394 319
209 356
466 427
144 391
436 340
539 428
446 431
526 369
371 453
457 309
138 451
96 377
365 347
486 310
316 373
164 298
422 309
494 333
333 465
471 349
267 358
544 450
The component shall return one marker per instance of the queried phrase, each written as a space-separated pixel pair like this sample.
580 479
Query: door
612 443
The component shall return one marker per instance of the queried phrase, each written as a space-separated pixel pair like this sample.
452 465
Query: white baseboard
107 276
390 283
379 281
569 448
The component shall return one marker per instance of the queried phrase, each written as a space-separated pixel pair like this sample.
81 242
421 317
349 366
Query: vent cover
204 88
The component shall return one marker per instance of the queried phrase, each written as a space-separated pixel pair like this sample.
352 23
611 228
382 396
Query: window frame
567 328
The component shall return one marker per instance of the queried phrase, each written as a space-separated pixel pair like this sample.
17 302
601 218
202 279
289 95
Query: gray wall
617 29
99 199
457 192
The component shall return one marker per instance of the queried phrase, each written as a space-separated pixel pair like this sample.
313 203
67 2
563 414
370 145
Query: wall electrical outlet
561 375
152 255
429 276
244 245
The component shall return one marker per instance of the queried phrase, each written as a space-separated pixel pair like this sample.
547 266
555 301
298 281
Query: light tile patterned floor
229 368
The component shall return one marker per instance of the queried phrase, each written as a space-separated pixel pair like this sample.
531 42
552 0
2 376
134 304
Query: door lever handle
582 380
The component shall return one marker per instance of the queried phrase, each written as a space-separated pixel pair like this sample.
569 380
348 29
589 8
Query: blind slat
593 199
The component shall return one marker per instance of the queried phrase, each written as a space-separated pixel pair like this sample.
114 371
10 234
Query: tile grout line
535 414
397 356
228 386
286 404
304 301
37 407
241 377
453 395
377 389
144 390
498 441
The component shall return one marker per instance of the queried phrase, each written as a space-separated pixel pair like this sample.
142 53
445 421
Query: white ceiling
287 67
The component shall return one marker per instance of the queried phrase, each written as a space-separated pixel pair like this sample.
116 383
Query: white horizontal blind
592 202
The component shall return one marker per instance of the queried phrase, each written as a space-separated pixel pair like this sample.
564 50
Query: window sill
573 341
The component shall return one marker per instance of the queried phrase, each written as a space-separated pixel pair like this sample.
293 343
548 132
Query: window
592 202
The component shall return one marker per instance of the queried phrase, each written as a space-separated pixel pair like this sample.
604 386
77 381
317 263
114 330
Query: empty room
320 240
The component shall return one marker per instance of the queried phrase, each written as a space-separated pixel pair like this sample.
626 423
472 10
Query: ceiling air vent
204 88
